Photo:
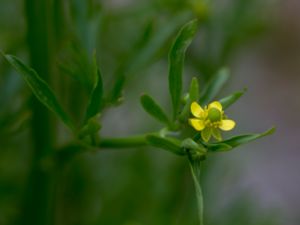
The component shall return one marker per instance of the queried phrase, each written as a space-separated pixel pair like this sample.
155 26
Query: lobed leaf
151 107
40 89
176 61
214 86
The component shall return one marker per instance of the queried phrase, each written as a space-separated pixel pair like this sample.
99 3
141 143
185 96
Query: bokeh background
256 184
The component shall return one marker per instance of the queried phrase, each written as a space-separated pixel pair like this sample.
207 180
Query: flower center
214 115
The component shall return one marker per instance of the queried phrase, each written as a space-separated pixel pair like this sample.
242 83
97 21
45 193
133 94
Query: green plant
175 136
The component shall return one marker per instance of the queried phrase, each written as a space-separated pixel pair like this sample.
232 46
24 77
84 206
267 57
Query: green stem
126 142
74 148
37 205
196 169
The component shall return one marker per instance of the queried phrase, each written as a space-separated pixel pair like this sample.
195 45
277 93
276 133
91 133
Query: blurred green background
259 41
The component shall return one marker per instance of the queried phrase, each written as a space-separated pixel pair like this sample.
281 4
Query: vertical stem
37 199
196 169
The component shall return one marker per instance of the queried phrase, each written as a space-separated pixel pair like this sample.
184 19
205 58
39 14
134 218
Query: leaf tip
225 72
271 131
194 80
194 23
143 95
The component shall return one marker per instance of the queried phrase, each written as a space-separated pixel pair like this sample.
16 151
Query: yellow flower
209 120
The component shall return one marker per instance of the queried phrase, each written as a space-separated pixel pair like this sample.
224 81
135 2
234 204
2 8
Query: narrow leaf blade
147 53
169 144
219 147
176 62
151 107
40 89
194 90
117 90
196 172
231 99
96 99
243 139
192 96
234 142
144 55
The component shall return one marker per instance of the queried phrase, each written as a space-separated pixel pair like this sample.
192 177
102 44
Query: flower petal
217 134
206 134
197 110
216 105
227 125
197 124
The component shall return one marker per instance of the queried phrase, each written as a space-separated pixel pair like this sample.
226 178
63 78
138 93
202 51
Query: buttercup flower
210 120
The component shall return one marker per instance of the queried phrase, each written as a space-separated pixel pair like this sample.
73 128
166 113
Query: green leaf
220 147
96 99
91 127
176 62
40 89
193 96
144 55
117 90
151 107
214 86
169 144
236 141
194 93
195 150
196 172
243 139
78 65
189 143
229 100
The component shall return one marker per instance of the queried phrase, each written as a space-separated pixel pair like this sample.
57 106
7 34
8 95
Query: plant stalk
126 142
37 203
196 169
